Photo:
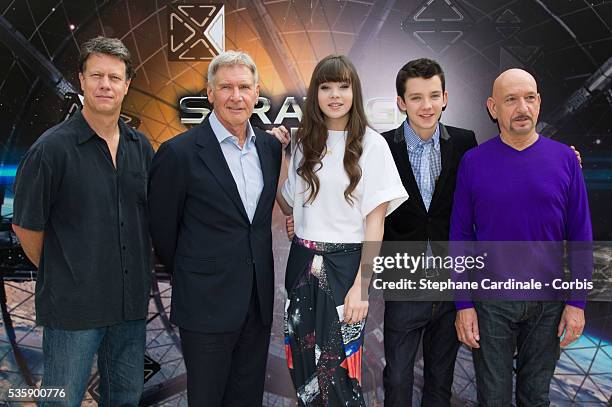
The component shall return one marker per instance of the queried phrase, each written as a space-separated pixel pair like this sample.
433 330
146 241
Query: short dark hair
108 46
418 68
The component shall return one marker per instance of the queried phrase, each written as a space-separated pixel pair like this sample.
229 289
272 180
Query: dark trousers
405 322
227 369
530 327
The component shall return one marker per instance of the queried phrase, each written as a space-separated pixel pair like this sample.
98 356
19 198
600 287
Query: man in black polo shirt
80 214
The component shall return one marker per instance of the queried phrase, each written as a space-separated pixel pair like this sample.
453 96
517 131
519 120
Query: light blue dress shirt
243 163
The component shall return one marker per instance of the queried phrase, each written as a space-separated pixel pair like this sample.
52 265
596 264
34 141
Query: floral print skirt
323 353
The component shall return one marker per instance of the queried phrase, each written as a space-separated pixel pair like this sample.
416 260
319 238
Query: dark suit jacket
411 221
202 234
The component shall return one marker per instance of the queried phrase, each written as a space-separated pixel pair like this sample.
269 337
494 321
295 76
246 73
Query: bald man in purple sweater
519 186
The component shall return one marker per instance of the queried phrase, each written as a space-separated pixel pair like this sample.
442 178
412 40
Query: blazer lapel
400 151
265 162
446 156
212 155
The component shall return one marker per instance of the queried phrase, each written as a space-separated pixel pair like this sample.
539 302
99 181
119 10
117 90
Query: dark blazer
411 221
202 234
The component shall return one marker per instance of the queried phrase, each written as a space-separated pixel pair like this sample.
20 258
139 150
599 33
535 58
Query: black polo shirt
95 268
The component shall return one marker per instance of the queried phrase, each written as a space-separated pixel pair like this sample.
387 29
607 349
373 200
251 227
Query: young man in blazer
427 154
211 196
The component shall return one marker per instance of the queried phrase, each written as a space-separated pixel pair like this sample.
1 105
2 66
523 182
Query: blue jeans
68 356
531 328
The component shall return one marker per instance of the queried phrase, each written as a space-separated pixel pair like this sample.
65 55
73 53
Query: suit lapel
405 169
263 151
446 155
212 155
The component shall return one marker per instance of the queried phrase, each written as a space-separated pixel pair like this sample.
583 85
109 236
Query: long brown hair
312 134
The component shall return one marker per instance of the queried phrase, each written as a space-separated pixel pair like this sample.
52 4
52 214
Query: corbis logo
196 32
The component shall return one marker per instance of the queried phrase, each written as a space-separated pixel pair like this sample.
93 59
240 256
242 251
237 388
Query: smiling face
234 94
423 102
335 101
104 84
515 103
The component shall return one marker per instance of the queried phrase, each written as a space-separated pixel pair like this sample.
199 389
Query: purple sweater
537 194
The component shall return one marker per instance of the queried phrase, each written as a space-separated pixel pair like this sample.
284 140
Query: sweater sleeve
579 234
462 225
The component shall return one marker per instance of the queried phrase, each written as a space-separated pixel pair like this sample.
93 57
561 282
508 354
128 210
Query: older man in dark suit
211 196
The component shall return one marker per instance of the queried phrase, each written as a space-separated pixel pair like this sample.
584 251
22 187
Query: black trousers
405 322
227 369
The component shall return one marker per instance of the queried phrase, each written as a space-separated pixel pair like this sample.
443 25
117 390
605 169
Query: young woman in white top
341 183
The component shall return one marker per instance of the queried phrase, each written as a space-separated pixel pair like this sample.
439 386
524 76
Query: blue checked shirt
425 160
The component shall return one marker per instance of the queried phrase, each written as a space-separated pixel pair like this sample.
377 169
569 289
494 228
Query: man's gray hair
107 46
231 58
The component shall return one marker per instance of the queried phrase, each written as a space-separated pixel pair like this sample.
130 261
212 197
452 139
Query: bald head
513 77
515 103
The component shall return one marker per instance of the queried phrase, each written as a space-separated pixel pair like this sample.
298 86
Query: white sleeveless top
330 218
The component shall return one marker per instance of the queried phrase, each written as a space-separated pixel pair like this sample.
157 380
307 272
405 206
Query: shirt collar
85 132
413 140
222 133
